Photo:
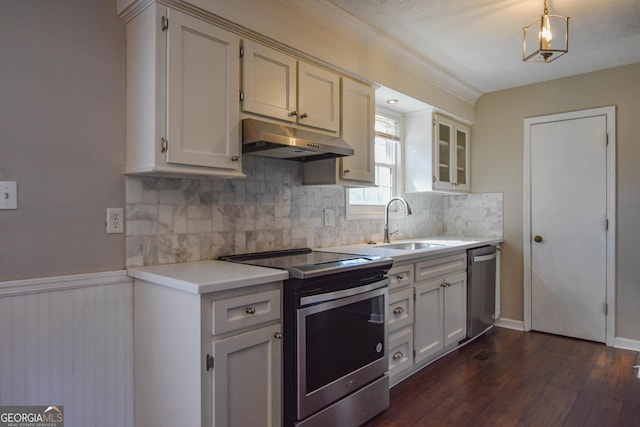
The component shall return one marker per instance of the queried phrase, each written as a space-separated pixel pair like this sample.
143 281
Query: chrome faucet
407 211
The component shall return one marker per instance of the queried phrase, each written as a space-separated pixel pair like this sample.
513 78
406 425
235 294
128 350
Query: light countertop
201 277
446 244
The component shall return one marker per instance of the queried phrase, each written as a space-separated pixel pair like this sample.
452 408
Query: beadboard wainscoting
68 341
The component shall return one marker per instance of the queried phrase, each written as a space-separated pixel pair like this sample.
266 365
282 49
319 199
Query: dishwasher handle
482 258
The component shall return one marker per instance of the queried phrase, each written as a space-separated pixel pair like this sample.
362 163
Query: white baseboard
518 325
626 344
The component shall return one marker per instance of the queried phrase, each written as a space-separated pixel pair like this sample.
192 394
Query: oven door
342 340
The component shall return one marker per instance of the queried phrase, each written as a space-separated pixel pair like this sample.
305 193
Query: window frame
354 212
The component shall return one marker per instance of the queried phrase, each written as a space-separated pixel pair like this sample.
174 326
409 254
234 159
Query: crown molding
339 21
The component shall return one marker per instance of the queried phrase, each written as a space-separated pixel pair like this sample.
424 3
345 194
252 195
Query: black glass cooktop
305 263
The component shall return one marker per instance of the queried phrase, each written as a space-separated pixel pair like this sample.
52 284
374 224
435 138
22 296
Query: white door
568 161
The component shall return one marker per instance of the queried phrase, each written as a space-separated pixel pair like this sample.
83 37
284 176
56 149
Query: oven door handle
329 296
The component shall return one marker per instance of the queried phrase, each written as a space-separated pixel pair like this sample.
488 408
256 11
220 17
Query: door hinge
164 145
209 362
607 139
606 309
241 96
606 224
241 51
165 24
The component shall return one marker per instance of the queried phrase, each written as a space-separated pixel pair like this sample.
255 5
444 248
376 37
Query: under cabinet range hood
266 139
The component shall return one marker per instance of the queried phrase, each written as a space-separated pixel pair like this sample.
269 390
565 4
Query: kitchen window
369 202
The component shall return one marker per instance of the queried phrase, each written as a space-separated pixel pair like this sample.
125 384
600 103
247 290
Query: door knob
537 239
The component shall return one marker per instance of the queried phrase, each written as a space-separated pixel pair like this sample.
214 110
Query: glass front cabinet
437 153
451 155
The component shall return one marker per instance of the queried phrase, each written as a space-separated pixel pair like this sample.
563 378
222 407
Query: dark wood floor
511 378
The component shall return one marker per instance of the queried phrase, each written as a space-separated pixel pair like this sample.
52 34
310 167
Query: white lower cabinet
440 315
211 359
247 386
427 311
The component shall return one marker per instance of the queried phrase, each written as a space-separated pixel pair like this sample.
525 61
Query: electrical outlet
329 217
115 220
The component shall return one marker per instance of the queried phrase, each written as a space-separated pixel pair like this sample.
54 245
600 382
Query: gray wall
61 135
497 160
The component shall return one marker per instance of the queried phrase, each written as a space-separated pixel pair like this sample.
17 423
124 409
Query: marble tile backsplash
478 215
177 220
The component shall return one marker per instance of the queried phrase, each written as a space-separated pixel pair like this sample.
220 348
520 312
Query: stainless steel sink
410 246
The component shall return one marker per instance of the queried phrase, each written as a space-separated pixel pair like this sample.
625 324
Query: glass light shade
550 42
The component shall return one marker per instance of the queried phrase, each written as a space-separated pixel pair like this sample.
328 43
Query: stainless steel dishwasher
481 289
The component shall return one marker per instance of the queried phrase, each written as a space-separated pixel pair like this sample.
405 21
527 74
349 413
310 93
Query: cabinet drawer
244 311
400 276
400 351
440 266
400 309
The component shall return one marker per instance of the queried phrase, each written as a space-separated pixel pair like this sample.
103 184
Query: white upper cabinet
451 154
358 130
318 97
182 96
437 153
358 121
280 87
268 82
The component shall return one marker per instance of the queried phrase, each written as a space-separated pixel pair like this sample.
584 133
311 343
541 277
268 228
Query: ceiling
479 42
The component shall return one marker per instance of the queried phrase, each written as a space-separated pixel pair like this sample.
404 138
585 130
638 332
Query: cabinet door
443 147
318 97
462 157
455 308
247 384
429 315
202 94
268 82
358 121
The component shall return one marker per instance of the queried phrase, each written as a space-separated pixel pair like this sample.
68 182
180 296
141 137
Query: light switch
8 195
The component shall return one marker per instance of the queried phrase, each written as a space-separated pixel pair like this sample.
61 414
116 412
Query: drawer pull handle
278 335
400 276
398 310
398 355
250 310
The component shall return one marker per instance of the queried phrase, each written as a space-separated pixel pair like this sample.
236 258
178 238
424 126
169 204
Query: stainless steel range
334 335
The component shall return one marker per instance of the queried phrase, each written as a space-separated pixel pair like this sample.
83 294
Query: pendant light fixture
551 40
